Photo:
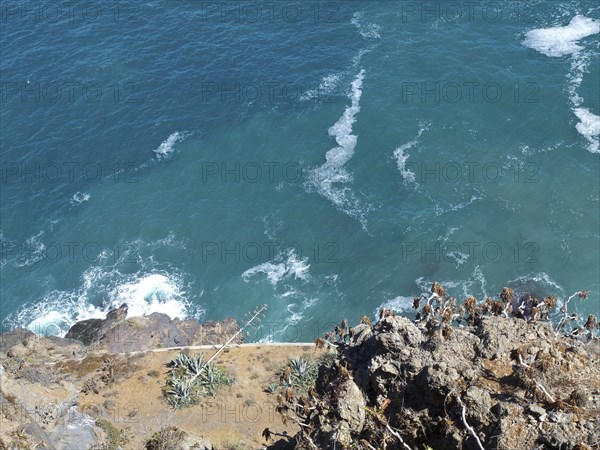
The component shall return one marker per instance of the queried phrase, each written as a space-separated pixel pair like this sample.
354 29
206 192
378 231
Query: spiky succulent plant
191 378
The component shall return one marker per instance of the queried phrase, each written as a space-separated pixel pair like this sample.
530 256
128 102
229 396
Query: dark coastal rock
418 383
351 410
118 313
85 331
498 337
118 334
12 338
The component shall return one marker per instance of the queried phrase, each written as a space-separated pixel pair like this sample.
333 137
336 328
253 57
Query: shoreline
454 375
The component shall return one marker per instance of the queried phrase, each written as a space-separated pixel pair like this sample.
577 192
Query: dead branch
397 435
226 344
543 389
469 428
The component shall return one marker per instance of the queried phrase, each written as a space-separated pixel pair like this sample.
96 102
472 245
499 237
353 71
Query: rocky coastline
32 367
474 376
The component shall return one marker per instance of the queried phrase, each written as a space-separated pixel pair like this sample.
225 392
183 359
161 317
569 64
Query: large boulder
86 331
117 333
75 430
351 410
18 336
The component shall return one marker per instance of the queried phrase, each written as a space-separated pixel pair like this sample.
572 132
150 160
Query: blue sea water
325 158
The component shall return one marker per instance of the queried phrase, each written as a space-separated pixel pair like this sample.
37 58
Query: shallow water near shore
323 158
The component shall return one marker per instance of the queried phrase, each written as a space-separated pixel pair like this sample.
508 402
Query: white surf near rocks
565 41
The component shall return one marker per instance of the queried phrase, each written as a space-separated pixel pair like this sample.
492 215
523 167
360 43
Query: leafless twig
397 435
224 346
469 428
543 389
563 322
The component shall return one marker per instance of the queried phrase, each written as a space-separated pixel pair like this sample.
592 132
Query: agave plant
191 378
195 365
299 366
179 361
180 393
190 364
271 388
301 371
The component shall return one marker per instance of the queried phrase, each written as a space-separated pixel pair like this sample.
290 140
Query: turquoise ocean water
202 158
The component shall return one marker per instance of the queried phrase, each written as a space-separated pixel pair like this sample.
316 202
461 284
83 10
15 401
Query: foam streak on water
401 155
167 146
562 41
327 86
366 30
288 266
328 177
589 127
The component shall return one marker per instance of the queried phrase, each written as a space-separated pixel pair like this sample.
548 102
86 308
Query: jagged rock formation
43 377
505 382
118 334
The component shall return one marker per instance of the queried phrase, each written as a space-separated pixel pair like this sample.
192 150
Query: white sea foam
474 285
32 252
273 225
560 41
104 287
56 313
293 315
327 86
366 30
589 123
167 146
80 197
148 294
356 59
326 178
398 304
539 279
588 127
284 266
144 294
528 151
439 209
579 65
459 257
401 156
450 232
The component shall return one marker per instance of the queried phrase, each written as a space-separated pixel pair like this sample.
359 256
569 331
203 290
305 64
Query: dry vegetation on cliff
492 374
